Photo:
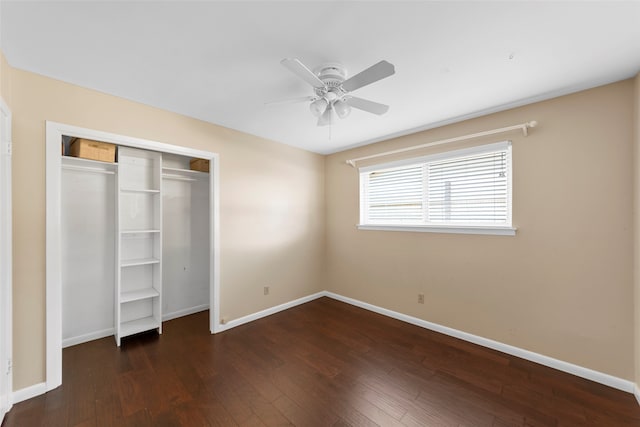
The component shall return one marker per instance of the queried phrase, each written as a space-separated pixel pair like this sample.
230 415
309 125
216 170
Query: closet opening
132 238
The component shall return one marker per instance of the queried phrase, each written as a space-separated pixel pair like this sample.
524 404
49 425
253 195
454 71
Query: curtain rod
523 126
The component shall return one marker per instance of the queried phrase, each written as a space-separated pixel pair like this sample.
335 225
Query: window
463 191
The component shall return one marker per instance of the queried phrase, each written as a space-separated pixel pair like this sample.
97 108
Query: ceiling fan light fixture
325 118
318 106
342 108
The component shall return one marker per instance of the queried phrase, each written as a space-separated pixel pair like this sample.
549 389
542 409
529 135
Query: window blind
463 187
468 189
396 196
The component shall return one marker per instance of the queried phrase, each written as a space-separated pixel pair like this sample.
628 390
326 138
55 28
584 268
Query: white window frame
503 230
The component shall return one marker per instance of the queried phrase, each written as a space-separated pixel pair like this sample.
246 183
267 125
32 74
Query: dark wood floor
323 363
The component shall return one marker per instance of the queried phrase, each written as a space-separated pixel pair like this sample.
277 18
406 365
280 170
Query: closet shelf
138 295
139 261
138 325
139 190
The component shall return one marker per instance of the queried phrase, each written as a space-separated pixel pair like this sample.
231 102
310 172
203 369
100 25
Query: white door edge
6 328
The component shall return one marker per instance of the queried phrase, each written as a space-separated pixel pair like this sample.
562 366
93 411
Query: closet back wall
87 254
271 205
185 242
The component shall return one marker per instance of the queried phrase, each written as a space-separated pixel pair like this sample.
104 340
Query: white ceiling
220 61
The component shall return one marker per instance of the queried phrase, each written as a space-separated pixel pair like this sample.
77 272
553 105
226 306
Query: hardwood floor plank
391 405
298 415
133 388
473 398
140 418
323 363
108 411
391 385
258 378
214 412
235 404
83 406
305 396
321 390
173 392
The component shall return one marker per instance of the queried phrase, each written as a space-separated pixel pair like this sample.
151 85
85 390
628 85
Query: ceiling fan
332 90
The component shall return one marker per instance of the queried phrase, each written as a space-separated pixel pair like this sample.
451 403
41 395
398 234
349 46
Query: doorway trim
54 133
6 303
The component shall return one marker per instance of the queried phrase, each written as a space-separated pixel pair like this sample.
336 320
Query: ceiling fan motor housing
332 75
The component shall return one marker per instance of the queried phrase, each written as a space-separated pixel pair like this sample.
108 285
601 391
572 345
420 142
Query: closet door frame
6 328
54 133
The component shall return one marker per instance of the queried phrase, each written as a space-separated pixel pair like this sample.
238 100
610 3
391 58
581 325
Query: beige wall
563 285
272 205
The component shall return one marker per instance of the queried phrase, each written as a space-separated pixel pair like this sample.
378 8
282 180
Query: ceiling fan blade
291 100
299 69
366 105
326 117
372 74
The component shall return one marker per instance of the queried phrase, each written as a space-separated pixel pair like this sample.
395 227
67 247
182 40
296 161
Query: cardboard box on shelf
201 165
93 150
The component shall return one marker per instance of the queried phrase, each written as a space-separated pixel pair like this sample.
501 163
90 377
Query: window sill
496 231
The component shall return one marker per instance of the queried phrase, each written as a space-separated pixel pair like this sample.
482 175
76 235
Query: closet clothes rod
524 127
177 178
88 169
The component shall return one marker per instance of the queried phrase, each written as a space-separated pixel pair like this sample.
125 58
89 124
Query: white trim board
636 393
80 339
269 311
6 305
184 312
29 392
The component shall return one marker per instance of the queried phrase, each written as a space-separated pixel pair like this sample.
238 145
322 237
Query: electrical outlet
420 298
266 290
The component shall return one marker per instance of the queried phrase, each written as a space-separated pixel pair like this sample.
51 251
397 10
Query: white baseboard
599 377
184 312
68 342
29 392
269 311
636 392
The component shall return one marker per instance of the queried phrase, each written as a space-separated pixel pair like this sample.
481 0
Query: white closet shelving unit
138 295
